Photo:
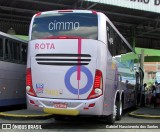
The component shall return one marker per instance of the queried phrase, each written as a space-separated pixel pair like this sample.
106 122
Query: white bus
13 58
79 64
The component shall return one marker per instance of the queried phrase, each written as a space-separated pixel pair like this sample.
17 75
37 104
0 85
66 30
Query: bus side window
110 40
16 52
7 50
24 53
12 51
116 45
1 48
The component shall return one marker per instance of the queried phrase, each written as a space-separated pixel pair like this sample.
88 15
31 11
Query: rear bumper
74 107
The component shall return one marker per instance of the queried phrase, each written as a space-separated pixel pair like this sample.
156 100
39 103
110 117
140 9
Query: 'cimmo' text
63 25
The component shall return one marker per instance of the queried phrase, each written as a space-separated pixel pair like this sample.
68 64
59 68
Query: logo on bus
39 88
78 90
55 25
44 46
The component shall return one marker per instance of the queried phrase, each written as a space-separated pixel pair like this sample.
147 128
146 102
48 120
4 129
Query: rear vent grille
63 59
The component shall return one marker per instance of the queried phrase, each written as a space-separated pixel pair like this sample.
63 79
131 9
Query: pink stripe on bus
79 52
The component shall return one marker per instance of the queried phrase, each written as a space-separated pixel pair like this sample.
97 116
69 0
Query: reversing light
98 91
28 88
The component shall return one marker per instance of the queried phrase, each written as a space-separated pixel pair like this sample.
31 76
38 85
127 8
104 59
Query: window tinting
116 45
66 24
1 47
15 51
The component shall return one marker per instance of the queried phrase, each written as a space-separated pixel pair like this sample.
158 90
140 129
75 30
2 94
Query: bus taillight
97 86
29 87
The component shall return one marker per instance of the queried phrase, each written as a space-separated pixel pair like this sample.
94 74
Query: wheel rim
120 109
114 111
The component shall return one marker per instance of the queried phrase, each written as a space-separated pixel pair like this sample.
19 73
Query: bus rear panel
62 72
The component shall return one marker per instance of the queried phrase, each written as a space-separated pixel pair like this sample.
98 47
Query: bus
79 64
13 58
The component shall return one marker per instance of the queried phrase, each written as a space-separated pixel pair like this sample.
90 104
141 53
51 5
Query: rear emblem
79 90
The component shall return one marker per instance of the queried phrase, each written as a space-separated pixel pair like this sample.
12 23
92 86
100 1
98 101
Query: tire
119 110
111 118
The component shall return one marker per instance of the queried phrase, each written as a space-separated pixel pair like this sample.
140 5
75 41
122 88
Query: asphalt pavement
48 123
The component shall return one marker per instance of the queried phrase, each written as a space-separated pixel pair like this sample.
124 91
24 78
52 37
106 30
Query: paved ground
146 112
79 124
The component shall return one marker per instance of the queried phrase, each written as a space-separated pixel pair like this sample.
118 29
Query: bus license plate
60 105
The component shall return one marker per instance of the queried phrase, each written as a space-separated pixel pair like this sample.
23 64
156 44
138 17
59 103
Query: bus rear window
84 25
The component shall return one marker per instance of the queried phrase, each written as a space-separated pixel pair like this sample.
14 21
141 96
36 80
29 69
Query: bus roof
65 11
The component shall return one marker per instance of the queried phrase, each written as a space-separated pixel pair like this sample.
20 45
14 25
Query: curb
25 116
133 114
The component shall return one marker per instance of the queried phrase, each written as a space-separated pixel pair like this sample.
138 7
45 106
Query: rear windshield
84 25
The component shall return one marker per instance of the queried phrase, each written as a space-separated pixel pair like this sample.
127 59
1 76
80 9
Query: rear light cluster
29 87
97 86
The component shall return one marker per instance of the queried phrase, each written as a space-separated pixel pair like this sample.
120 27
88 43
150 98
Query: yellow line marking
140 115
16 115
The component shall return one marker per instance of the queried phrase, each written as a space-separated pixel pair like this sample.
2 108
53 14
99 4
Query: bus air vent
63 59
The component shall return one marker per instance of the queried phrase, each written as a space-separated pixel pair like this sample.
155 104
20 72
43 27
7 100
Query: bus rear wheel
119 110
111 118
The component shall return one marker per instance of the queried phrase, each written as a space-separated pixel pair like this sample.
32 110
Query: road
76 124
